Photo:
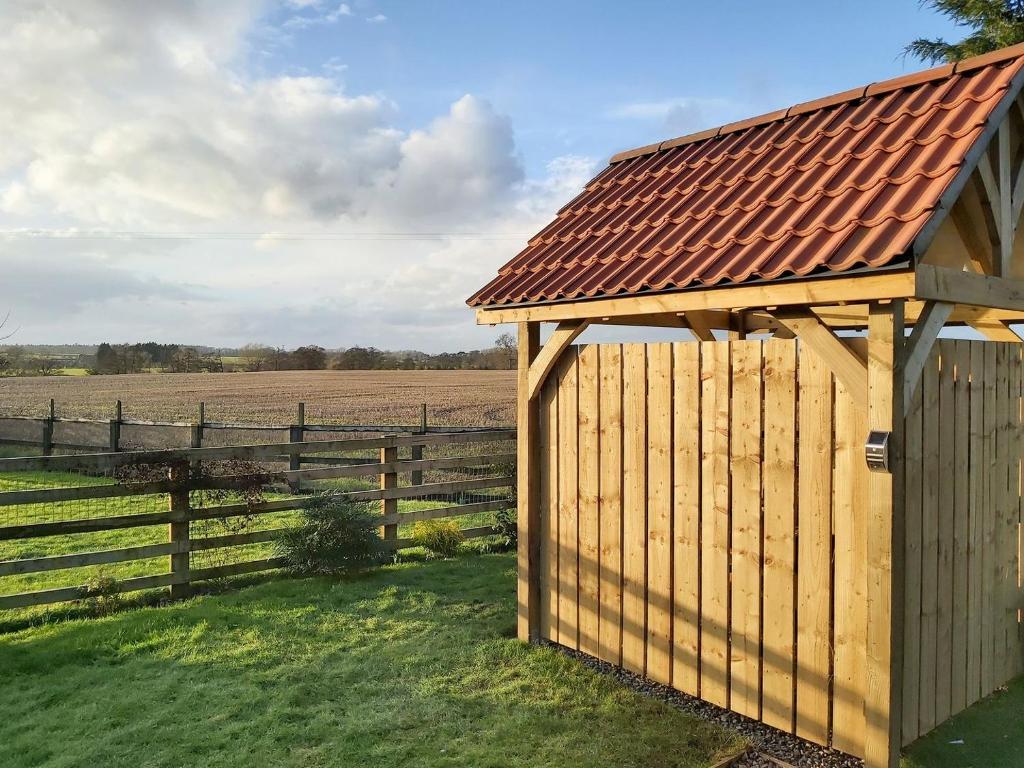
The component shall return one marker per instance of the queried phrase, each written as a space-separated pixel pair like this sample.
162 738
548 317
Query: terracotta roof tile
832 184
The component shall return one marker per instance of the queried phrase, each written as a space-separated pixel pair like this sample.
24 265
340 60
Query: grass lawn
410 665
992 732
156 534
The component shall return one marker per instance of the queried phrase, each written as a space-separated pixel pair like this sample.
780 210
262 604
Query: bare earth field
453 398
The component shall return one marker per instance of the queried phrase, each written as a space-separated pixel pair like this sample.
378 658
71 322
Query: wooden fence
704 522
180 513
55 433
964 438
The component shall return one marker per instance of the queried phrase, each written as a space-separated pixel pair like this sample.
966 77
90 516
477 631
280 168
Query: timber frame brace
565 333
847 365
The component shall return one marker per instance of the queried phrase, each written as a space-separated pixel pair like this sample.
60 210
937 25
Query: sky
313 172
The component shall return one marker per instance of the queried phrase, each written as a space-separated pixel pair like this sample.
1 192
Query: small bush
442 538
334 536
506 528
102 595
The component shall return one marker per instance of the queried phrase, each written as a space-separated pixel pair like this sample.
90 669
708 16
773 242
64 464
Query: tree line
260 357
108 359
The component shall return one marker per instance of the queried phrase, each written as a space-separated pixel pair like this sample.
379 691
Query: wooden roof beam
958 287
826 291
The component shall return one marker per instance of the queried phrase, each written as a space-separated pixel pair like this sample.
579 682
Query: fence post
296 434
197 429
389 480
115 428
885 540
48 430
178 530
417 450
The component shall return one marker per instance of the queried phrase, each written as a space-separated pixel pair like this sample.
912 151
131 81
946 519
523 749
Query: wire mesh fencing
144 519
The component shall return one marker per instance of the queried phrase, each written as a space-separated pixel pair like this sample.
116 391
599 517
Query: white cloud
379 18
122 118
330 17
683 113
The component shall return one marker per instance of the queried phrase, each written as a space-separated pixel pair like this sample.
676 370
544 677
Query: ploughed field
453 398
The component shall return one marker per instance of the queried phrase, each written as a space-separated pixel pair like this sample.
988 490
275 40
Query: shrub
442 538
103 595
334 536
506 528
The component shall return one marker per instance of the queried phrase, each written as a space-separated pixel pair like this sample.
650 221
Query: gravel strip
770 747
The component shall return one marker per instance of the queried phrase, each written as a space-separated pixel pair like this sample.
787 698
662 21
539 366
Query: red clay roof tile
832 184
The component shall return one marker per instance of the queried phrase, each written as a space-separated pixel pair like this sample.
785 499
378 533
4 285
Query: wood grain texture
634 508
849 503
659 512
814 548
715 522
686 554
779 481
568 499
610 502
745 467
588 493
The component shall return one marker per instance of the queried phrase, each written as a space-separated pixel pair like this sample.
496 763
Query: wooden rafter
989 324
563 335
700 325
919 345
849 367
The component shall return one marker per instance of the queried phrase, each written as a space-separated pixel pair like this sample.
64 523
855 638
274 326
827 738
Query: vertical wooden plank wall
962 580
704 522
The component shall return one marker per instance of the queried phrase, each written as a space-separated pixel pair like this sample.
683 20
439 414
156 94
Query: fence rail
47 440
180 468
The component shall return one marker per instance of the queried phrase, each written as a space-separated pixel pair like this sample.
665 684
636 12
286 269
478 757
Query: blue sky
567 72
311 171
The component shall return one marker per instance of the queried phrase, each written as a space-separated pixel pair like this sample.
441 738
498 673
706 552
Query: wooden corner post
528 487
885 537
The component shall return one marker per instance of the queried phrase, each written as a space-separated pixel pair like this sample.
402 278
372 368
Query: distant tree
45 366
106 359
256 357
358 359
993 24
507 345
309 358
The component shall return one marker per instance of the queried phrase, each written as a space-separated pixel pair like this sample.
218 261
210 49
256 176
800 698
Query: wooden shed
703 511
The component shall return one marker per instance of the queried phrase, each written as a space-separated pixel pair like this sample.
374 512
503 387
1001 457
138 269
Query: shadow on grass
989 734
408 665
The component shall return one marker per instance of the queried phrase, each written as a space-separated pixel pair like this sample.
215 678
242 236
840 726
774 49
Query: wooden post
178 530
196 437
389 480
115 428
48 430
296 434
197 428
528 488
885 540
737 326
417 450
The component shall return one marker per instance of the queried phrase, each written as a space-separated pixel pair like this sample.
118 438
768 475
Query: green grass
410 665
116 539
992 732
